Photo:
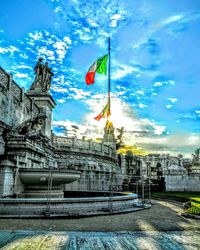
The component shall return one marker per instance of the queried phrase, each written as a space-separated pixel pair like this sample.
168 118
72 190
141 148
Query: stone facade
176 173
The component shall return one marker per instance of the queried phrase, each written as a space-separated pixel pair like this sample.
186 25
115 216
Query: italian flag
104 113
99 66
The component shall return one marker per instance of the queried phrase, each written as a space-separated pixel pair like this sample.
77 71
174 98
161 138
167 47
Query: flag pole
109 75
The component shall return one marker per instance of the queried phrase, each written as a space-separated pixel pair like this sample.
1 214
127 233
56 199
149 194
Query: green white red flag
99 66
104 113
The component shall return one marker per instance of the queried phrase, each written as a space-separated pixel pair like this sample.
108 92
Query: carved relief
16 91
4 79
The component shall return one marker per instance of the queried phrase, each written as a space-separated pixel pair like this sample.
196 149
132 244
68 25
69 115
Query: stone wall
15 105
96 161
182 183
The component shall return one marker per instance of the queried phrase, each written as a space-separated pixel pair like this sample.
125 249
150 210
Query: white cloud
61 100
19 75
114 20
173 100
61 49
171 82
11 49
78 93
158 129
193 139
59 89
169 106
58 9
123 70
141 105
43 51
122 115
92 22
172 19
140 92
23 67
157 84
86 36
37 35
67 40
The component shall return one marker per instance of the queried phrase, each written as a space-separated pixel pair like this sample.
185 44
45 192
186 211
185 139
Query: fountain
46 175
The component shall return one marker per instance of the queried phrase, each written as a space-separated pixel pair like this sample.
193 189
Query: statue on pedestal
43 75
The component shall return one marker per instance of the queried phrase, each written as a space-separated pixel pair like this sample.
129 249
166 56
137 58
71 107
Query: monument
35 163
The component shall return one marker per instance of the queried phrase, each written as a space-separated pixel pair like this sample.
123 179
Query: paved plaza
98 240
160 227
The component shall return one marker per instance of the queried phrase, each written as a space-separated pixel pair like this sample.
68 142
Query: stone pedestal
46 104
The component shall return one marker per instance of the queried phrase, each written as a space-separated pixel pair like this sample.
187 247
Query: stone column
6 178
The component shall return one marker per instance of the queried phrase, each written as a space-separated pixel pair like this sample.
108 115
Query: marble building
174 173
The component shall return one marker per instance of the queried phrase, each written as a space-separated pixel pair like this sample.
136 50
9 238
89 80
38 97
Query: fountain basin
71 207
36 182
34 176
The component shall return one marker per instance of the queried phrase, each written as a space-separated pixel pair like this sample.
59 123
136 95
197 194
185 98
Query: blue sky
155 65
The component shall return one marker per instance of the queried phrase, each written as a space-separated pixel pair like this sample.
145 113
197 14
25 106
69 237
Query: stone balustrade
83 146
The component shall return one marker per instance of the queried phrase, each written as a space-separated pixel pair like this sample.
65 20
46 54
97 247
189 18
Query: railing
74 144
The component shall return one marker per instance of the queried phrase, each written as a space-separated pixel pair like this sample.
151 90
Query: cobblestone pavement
160 227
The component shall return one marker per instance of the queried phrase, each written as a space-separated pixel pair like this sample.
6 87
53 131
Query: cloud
37 35
78 93
197 112
169 106
115 18
173 144
11 49
122 115
59 89
87 21
140 92
123 70
157 84
61 100
61 49
141 105
19 75
162 83
173 100
44 52
23 67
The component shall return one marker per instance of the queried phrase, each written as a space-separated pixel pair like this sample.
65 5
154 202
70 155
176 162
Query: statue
46 77
30 128
43 75
38 70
